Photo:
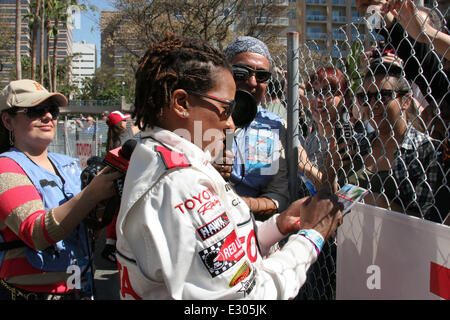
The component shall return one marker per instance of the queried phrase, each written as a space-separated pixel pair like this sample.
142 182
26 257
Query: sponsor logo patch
241 274
222 255
203 202
248 284
213 227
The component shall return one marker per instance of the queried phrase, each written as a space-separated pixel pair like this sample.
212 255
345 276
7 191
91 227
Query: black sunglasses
243 72
384 96
231 104
39 111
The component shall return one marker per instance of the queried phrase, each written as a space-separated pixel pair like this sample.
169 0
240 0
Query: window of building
292 14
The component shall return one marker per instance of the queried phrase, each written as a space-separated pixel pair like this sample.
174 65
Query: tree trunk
48 28
18 36
42 58
34 35
55 44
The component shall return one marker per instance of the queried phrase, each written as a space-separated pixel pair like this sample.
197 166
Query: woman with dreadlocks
182 231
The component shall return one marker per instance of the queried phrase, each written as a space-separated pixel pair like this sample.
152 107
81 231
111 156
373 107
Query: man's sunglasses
39 111
384 96
231 104
243 72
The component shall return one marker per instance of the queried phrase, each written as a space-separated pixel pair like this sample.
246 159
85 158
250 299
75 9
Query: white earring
185 114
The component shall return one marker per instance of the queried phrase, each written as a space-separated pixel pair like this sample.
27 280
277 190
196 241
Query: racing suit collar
177 143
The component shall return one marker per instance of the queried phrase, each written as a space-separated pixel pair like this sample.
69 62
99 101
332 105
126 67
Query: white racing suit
183 233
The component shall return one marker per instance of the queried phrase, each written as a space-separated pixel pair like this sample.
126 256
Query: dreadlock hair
173 63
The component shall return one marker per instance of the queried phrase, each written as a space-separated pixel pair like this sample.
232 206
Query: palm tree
33 18
18 37
48 32
42 19
58 13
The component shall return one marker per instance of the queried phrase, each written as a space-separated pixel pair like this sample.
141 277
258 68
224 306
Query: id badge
260 148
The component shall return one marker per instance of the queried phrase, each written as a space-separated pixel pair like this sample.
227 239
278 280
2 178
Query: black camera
118 159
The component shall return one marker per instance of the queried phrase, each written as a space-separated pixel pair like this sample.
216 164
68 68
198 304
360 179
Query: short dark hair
173 63
377 67
380 68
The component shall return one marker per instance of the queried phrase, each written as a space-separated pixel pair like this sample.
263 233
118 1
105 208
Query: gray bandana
247 44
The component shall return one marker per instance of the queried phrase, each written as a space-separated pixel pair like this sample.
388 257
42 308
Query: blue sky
90 25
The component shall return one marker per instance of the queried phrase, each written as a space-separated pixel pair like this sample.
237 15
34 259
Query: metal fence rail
70 136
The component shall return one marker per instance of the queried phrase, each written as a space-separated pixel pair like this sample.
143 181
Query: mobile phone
349 194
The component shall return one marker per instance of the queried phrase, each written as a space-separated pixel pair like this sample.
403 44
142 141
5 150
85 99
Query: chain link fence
373 111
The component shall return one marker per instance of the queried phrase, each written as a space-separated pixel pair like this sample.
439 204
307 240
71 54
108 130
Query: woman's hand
72 212
102 185
322 212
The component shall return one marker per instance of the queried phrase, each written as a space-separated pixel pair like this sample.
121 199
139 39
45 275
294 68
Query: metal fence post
292 112
66 140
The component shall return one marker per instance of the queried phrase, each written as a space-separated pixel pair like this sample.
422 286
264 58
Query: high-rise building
8 29
113 39
65 42
276 21
326 21
84 62
7 53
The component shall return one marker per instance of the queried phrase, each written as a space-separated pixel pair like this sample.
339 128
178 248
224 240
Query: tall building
84 62
276 20
112 35
8 29
65 42
326 21
7 25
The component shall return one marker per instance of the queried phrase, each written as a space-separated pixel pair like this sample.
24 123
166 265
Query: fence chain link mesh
386 96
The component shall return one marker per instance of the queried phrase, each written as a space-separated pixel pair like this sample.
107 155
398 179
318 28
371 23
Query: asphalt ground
106 276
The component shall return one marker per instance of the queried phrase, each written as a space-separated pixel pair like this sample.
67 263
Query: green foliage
104 86
353 66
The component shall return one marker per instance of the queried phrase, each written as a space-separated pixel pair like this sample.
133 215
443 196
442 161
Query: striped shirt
23 217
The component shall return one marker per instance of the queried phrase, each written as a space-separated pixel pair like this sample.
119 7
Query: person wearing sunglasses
398 147
327 92
259 171
182 231
42 236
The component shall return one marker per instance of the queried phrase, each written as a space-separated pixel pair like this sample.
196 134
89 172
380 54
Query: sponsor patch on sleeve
222 255
213 227
241 274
